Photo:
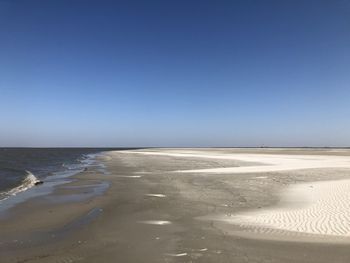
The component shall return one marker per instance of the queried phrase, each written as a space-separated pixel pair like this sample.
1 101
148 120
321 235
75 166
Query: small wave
28 182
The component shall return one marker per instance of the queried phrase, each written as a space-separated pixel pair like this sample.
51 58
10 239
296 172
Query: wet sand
151 212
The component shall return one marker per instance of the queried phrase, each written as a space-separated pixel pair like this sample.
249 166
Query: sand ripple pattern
327 212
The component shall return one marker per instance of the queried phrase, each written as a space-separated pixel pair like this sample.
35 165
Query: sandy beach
190 205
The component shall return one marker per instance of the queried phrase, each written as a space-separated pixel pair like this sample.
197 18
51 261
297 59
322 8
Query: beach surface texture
187 205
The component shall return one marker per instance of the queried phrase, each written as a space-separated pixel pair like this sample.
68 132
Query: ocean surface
21 168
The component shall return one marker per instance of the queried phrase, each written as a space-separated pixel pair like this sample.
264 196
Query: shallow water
15 163
21 168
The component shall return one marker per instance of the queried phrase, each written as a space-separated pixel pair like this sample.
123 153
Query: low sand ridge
269 162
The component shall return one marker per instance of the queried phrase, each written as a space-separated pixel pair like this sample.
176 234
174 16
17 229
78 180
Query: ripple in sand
155 222
323 209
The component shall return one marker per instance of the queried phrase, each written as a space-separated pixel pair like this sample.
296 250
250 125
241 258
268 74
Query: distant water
20 168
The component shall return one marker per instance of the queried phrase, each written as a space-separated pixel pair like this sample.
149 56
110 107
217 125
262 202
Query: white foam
28 182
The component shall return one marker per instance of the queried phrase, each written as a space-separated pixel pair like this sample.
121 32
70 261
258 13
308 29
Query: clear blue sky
174 73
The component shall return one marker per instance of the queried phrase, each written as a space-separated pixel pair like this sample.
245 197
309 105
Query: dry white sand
156 195
269 162
156 222
321 208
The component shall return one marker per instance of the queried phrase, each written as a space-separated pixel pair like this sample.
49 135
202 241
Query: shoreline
50 182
